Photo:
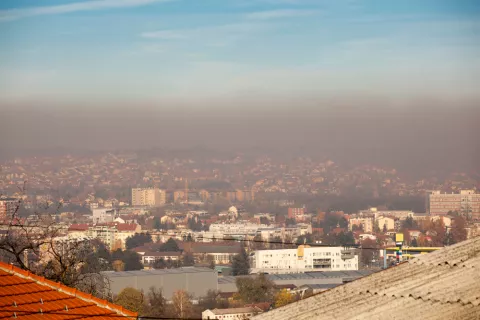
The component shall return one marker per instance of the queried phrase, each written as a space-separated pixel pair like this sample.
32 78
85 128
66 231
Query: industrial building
321 278
303 259
195 281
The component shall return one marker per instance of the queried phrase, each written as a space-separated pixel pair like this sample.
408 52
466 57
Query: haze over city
240 159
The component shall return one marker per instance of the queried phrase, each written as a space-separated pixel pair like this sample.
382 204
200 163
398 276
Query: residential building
238 228
24 295
78 230
441 285
293 213
231 313
397 214
149 197
124 231
365 223
284 233
103 232
103 215
8 207
385 223
467 202
258 216
303 259
113 235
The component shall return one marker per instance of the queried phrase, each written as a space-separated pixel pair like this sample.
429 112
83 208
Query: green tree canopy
170 246
131 299
255 289
130 259
137 240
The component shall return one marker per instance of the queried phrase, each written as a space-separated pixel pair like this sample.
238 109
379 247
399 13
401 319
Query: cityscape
234 160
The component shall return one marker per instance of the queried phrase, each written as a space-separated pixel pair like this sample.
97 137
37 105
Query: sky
186 51
370 81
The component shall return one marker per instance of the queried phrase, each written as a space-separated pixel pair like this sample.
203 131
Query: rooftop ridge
66 290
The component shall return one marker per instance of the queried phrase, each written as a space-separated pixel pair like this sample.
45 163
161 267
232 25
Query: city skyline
151 51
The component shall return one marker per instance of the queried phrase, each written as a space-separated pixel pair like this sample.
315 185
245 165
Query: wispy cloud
217 35
281 13
164 34
15 14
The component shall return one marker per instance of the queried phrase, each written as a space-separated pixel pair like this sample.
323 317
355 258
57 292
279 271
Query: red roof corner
25 295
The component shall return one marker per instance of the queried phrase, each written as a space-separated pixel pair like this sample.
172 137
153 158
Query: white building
235 228
103 215
389 223
303 259
231 313
397 214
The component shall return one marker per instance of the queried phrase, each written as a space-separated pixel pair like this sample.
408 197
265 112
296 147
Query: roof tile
24 295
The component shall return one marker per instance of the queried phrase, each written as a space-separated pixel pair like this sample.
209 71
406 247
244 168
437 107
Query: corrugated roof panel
441 285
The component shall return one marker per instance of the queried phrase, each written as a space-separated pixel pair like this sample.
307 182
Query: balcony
322 263
347 254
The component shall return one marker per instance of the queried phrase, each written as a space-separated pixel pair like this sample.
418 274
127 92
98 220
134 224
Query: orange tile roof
26 296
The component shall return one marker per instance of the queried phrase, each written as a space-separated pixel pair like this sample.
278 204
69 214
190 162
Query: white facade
103 215
230 314
303 259
389 223
235 228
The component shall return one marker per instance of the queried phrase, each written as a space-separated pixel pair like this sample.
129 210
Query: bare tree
182 304
39 244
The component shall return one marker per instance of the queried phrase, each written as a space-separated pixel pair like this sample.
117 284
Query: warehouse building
196 281
331 278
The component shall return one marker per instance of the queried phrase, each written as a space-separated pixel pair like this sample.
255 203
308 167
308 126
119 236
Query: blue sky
117 50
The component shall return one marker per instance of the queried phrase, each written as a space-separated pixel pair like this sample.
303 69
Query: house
24 295
231 313
441 285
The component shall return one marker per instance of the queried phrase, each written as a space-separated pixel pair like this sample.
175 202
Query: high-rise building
8 206
467 203
150 197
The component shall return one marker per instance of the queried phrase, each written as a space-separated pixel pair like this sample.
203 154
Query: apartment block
467 202
8 207
304 259
149 197
295 212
